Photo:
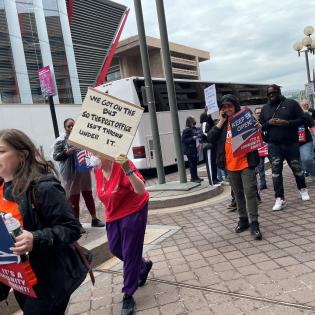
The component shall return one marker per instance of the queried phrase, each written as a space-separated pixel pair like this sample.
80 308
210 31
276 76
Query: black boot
143 278
232 206
128 305
97 223
242 225
254 226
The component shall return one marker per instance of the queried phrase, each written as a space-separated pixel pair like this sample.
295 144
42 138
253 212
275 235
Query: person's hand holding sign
258 125
71 151
136 183
23 243
123 160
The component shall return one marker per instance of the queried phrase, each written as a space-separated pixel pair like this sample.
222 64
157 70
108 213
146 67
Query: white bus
190 102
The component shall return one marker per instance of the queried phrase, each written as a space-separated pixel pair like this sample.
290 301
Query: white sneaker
304 194
279 204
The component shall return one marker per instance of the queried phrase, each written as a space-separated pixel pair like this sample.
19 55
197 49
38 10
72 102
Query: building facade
72 37
127 61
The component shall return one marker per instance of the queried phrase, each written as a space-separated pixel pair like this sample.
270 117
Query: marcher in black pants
209 150
280 119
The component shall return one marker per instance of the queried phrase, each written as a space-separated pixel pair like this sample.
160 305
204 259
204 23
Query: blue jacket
188 142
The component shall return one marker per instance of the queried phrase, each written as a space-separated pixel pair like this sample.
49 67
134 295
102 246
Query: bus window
190 94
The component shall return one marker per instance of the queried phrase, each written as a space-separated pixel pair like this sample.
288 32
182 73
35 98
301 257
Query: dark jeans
40 306
193 160
291 153
307 154
261 171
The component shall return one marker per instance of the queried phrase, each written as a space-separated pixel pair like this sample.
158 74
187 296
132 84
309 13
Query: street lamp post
306 46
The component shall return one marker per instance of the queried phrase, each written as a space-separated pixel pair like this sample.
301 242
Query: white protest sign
211 99
309 88
106 125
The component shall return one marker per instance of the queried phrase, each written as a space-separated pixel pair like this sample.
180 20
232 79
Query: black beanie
230 99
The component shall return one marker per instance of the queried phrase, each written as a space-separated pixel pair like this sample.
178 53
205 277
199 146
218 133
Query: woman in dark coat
190 136
34 197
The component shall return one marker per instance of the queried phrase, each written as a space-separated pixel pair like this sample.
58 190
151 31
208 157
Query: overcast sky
248 40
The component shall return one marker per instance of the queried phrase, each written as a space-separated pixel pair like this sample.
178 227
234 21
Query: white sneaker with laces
304 194
279 204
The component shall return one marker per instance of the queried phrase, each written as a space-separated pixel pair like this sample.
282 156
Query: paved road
205 268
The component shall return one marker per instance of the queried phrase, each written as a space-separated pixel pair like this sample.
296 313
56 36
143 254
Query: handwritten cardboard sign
245 136
211 99
106 125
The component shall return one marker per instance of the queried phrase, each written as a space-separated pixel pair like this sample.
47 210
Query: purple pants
125 238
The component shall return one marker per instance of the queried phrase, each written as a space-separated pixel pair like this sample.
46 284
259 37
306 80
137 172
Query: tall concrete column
171 90
18 52
310 97
149 92
44 40
72 66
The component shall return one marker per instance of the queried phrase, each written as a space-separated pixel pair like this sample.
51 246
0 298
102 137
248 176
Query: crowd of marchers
48 210
287 129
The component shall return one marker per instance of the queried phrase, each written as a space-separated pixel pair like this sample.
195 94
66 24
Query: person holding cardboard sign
121 189
32 193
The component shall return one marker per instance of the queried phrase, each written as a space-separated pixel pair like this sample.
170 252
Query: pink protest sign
46 82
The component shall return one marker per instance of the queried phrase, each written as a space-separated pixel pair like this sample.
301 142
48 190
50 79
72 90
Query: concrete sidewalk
202 267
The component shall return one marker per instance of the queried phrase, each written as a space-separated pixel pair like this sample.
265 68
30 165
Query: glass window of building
9 91
31 46
58 53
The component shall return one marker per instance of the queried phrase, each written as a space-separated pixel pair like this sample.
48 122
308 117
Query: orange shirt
233 163
7 206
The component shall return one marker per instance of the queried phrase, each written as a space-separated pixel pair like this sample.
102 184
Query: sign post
48 90
106 125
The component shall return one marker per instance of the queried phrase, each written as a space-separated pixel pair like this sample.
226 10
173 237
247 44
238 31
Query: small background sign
211 99
46 82
106 125
245 136
309 88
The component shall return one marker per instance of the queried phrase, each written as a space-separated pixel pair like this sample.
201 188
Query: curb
189 198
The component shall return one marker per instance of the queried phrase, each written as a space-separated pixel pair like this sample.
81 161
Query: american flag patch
83 155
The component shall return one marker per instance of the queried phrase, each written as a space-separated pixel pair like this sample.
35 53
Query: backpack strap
79 249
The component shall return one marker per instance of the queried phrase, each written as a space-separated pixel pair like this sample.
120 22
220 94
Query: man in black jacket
241 170
280 119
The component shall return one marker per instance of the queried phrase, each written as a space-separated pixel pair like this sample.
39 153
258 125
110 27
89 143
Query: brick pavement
205 268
